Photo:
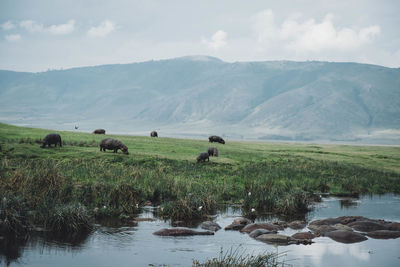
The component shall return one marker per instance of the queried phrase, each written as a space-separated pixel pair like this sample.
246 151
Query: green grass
270 177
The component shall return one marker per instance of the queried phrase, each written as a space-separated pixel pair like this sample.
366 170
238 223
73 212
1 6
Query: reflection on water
124 245
348 203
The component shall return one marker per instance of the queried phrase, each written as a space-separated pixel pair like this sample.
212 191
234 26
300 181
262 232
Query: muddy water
137 246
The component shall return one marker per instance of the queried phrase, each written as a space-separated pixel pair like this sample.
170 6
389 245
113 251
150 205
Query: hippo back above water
217 139
113 144
99 131
50 139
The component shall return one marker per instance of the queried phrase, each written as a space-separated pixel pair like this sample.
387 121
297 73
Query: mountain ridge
285 100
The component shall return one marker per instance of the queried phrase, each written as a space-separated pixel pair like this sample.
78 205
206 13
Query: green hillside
269 177
200 96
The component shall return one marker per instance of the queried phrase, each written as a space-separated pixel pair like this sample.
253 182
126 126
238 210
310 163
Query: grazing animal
76 127
51 139
113 144
217 139
99 131
203 156
153 134
213 151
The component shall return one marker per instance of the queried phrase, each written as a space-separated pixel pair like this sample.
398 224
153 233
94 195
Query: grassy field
48 186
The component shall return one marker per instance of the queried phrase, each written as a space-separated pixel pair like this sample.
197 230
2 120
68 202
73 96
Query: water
137 246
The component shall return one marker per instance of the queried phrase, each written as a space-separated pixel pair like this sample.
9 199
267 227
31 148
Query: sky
59 34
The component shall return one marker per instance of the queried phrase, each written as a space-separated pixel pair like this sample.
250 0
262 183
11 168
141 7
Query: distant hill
199 95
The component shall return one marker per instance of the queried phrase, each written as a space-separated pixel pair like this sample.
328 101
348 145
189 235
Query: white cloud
13 37
61 29
217 41
105 28
31 26
264 25
311 36
8 25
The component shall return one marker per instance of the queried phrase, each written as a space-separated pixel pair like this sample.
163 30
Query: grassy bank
78 180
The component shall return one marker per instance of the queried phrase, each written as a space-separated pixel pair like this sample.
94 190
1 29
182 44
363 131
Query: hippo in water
203 156
51 139
347 237
113 144
99 131
180 232
217 139
154 134
213 151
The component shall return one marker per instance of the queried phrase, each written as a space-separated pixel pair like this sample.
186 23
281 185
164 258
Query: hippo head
43 144
222 141
124 149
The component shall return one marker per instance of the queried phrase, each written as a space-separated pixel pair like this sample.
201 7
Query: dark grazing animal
217 139
213 151
99 131
51 139
113 144
153 134
203 156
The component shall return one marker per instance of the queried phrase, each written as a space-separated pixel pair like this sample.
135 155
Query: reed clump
68 218
238 258
14 215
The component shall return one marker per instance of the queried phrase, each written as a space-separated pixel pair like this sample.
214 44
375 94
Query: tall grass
266 177
238 258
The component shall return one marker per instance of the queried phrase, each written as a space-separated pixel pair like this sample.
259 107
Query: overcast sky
54 34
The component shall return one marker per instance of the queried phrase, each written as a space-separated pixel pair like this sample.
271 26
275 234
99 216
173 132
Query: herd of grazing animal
115 145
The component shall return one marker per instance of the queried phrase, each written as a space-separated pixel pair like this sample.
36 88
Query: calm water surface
137 246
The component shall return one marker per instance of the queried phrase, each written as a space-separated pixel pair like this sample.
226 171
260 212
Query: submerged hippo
347 237
202 157
259 232
238 224
50 139
383 234
154 134
297 225
180 232
267 226
213 151
277 239
304 235
212 226
217 139
321 229
367 226
99 131
113 144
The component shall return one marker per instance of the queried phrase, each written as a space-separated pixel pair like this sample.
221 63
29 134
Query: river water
137 246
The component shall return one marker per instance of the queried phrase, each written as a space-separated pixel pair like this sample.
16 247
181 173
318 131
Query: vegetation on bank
238 258
63 189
